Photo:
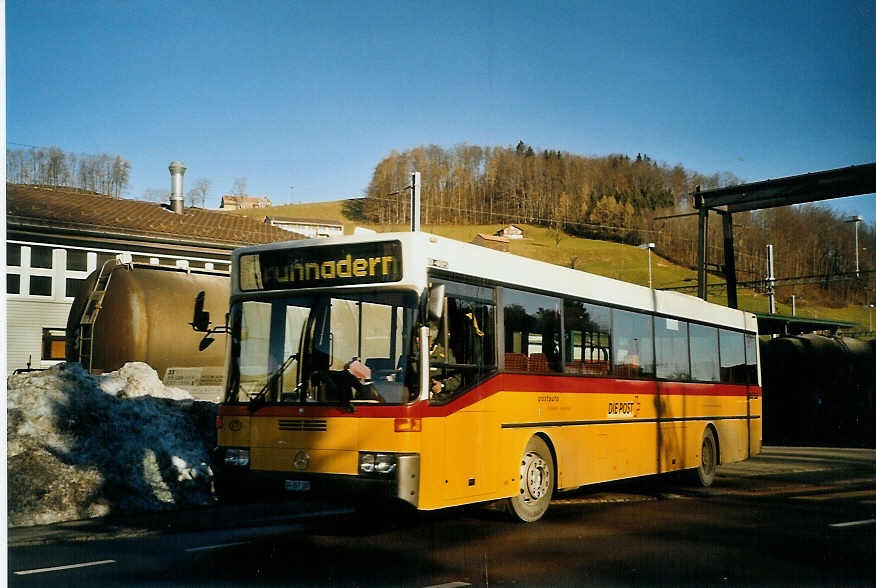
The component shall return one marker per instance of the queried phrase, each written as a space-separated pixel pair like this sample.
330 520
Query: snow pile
83 446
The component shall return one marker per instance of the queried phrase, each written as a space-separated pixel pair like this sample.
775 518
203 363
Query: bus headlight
381 464
366 463
238 458
385 463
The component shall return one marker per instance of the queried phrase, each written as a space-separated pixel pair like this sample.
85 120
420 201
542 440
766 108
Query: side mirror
201 319
436 302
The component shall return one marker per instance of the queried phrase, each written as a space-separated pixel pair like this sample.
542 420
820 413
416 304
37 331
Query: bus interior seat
380 364
596 367
380 367
538 363
515 362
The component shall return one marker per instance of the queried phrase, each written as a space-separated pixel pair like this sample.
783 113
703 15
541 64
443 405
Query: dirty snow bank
83 446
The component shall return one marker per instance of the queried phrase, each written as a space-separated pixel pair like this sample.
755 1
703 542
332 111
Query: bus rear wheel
536 483
704 474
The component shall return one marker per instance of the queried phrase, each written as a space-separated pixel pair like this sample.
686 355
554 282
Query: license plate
297 485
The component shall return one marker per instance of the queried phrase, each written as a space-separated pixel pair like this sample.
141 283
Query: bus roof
421 251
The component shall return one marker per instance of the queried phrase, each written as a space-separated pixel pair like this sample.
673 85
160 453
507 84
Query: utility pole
649 247
857 220
415 202
771 280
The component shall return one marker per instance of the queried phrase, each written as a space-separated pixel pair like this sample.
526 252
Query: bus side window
633 344
471 332
704 353
588 338
468 328
532 332
751 359
673 355
733 369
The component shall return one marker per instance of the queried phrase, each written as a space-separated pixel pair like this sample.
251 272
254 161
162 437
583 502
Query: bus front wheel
704 474
536 482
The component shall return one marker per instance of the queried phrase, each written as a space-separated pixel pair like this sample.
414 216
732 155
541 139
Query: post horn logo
301 460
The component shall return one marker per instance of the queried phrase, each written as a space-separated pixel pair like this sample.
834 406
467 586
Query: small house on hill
510 232
233 202
311 227
492 241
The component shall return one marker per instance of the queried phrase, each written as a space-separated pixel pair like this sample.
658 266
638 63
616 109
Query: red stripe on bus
507 382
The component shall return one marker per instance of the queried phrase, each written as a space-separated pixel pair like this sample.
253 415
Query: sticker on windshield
250 273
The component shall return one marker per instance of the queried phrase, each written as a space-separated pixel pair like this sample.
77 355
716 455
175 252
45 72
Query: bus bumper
236 482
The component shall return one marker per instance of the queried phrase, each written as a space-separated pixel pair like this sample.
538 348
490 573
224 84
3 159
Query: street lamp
857 220
649 247
870 317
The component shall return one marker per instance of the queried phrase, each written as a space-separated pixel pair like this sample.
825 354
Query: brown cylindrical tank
818 390
146 316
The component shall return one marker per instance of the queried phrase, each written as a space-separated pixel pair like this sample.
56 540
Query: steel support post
729 260
702 254
415 202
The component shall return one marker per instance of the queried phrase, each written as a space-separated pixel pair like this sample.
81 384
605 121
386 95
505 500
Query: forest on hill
620 198
50 166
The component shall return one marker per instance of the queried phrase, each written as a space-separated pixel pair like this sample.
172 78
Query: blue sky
314 94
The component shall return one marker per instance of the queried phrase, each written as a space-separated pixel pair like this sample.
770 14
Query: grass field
614 260
320 210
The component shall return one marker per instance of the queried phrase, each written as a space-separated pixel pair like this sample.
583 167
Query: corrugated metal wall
25 320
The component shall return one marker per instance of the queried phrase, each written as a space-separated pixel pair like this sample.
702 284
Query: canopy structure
813 187
778 324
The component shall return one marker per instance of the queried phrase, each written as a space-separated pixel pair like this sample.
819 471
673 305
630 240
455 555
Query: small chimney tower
177 169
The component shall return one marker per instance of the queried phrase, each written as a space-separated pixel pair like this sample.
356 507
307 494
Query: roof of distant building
493 238
305 221
72 209
235 201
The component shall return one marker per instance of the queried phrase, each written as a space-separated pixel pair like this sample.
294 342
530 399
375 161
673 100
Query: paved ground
790 516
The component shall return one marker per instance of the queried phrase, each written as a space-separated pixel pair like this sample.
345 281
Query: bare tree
51 166
238 190
199 192
119 176
156 195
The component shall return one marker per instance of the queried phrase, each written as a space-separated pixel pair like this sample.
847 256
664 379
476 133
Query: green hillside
320 210
614 260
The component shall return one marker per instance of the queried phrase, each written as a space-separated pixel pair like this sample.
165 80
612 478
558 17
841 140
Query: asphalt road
791 516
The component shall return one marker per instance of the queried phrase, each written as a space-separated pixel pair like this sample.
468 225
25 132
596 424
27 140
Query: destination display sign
321 266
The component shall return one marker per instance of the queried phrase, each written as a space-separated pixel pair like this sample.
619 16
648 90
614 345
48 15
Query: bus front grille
302 425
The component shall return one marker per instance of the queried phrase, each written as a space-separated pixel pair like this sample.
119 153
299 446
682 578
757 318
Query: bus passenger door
469 445
462 357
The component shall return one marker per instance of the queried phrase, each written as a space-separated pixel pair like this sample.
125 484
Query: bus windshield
331 348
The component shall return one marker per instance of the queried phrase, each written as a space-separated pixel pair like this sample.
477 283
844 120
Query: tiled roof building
69 209
55 237
234 202
493 242
311 227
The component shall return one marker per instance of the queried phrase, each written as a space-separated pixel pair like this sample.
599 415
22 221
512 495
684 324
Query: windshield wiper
258 398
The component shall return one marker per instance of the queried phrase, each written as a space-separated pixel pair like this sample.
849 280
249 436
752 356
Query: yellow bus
441 373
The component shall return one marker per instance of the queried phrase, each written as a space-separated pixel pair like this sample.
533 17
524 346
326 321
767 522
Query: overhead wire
525 217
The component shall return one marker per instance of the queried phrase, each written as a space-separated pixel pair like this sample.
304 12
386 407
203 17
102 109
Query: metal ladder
90 312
